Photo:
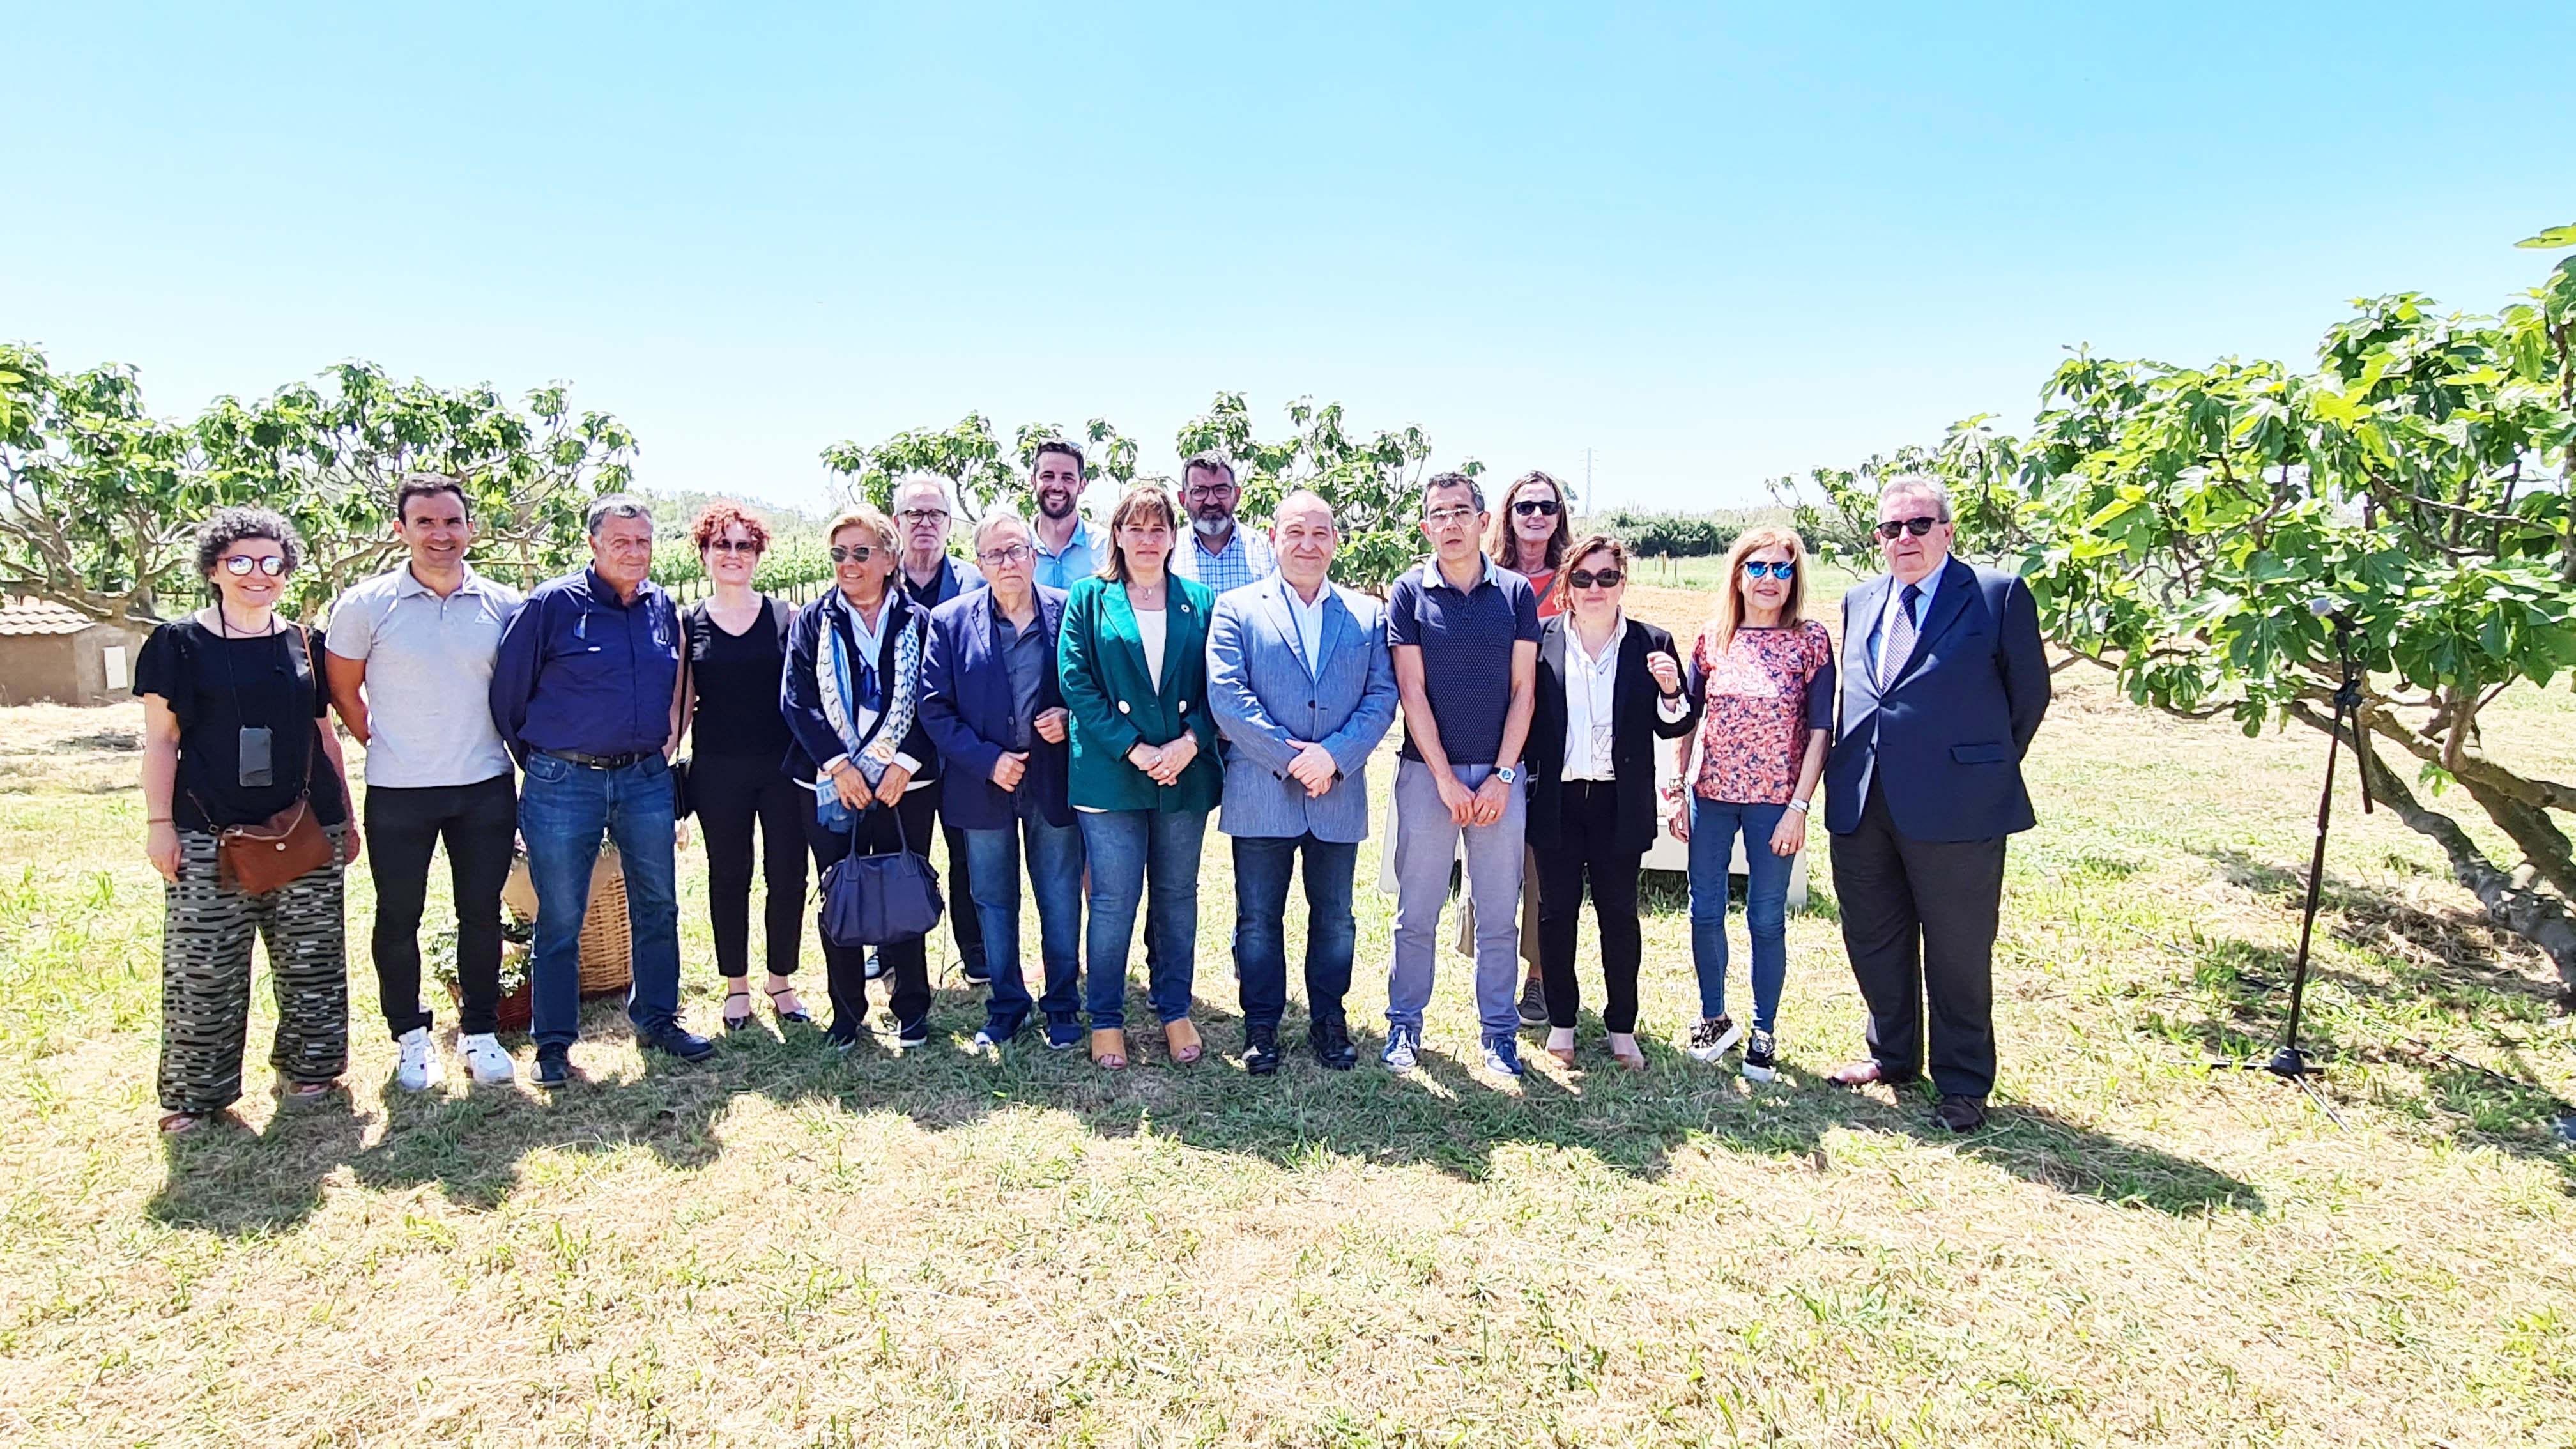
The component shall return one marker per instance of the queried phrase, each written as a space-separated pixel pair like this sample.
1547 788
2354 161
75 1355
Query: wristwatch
1506 774
1798 805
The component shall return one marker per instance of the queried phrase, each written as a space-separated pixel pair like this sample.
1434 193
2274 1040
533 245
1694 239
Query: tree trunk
2539 918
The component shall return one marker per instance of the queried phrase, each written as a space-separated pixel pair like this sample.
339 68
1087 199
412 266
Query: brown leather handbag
261 858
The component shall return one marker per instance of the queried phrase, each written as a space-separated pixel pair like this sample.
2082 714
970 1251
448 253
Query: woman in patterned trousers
233 715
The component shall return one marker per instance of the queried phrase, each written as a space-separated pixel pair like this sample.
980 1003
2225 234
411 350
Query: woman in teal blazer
1132 657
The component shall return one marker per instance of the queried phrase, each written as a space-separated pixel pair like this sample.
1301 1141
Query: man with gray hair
1944 682
922 520
586 696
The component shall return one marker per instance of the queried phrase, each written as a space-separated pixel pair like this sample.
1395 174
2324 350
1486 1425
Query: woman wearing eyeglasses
1529 536
851 696
1608 687
738 742
233 736
1763 676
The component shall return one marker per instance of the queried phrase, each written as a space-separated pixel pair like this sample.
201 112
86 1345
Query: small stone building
48 652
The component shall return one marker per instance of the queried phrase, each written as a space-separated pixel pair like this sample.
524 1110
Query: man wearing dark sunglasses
1944 682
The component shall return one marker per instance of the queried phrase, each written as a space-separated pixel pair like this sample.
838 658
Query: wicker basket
607 941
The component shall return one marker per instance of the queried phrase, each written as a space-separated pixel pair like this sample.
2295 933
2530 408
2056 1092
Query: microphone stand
2290 1064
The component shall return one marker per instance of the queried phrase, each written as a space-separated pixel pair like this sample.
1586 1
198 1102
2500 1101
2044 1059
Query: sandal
798 1017
1183 1040
174 1124
301 1094
731 1021
1625 1051
1109 1048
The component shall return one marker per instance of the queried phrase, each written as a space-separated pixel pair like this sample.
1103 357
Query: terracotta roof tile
38 617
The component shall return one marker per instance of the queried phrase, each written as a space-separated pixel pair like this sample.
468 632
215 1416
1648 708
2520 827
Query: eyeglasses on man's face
1889 528
239 565
1538 507
853 552
1008 557
1755 568
923 515
1450 517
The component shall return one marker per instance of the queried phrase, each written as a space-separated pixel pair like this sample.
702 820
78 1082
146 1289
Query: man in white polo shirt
410 665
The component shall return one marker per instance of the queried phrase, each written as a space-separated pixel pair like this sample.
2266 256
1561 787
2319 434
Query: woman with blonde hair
1132 661
851 693
1762 674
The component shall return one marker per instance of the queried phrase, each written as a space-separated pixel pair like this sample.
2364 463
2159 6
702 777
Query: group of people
1072 702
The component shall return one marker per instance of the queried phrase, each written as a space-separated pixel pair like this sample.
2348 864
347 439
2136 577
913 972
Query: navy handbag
876 900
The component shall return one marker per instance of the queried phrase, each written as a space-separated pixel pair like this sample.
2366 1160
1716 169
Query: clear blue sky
1712 243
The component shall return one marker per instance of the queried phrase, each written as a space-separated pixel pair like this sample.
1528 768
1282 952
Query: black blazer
800 697
1635 725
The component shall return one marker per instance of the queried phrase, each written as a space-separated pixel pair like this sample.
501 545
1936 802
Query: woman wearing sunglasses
1608 687
1763 675
850 694
738 780
1529 535
233 736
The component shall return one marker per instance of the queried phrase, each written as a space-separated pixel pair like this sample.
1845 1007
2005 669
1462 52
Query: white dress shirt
1589 684
1309 619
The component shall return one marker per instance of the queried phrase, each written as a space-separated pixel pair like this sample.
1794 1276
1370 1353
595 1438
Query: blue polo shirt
581 671
1466 640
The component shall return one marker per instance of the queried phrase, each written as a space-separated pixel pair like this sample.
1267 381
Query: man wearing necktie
1944 685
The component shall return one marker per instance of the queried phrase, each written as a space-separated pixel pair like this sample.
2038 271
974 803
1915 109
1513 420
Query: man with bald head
1302 688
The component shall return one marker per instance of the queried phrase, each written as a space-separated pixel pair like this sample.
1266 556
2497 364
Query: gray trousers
1426 842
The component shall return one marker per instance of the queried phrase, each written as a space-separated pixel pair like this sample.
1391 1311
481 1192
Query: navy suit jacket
966 707
1944 741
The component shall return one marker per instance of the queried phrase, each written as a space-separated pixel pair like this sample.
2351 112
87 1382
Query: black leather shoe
976 970
679 1041
1959 1113
1332 1043
1261 1051
554 1065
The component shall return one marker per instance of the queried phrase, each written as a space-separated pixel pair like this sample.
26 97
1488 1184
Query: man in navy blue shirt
586 695
1463 632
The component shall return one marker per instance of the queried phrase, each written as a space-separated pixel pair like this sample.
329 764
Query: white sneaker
485 1061
419 1067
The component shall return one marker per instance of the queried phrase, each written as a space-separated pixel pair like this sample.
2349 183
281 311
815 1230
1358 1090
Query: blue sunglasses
1756 568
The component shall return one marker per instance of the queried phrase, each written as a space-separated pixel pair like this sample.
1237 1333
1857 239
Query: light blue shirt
1930 584
1245 559
1310 622
1079 560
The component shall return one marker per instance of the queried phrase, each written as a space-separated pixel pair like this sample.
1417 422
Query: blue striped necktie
1893 650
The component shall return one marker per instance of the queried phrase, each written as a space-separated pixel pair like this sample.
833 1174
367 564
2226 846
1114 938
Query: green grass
941 1247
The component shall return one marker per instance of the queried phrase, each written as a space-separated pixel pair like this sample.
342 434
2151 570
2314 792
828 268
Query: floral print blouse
1762 697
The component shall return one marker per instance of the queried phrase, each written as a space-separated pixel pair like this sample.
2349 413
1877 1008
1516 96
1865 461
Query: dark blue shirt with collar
581 671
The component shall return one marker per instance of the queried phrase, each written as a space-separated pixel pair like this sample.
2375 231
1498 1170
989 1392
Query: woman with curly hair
736 643
234 736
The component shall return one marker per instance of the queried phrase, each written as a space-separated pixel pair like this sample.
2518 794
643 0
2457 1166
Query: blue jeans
1261 866
564 809
1055 880
1126 848
1714 824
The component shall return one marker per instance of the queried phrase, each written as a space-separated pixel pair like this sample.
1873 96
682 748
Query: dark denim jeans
1714 824
1127 848
564 809
1261 866
1055 881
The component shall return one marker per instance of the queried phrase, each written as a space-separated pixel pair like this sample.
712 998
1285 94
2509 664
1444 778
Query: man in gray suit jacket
1302 688
1943 686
